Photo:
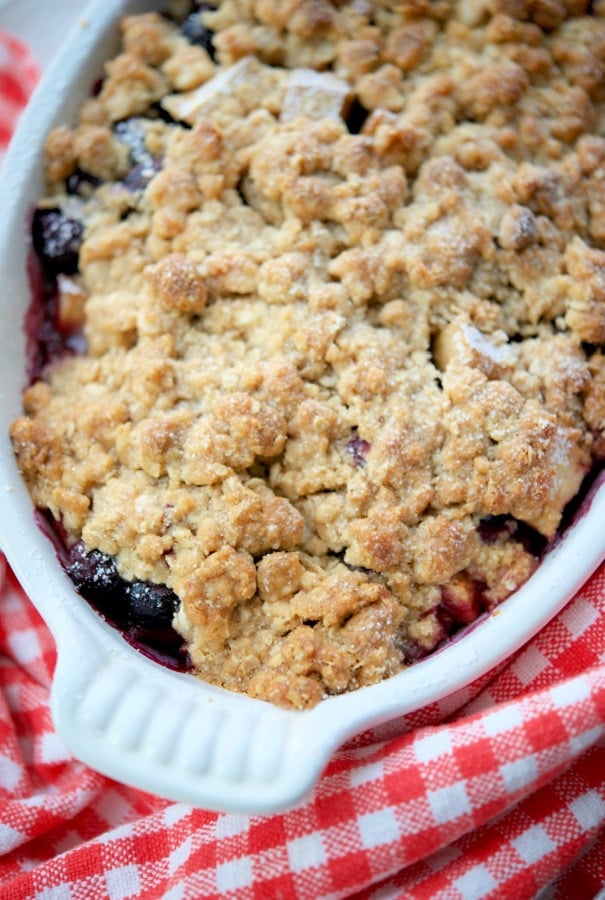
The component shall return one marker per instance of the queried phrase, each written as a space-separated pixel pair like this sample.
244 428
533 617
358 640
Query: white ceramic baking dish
130 718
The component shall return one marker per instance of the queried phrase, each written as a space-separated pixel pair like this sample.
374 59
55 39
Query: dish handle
167 733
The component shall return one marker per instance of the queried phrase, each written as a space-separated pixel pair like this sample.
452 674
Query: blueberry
57 239
493 529
358 448
461 603
131 132
141 174
94 573
151 605
411 652
196 32
81 184
142 611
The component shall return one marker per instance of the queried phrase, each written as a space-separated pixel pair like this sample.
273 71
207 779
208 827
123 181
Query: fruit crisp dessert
318 363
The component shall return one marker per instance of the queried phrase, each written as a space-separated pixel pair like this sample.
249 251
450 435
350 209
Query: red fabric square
475 758
544 731
348 871
334 810
405 783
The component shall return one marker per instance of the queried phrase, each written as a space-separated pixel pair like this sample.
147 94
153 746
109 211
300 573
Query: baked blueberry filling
211 428
142 611
495 529
57 238
139 176
196 32
81 184
144 165
358 448
94 574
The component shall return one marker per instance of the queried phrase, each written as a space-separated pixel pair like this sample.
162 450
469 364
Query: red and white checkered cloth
504 797
18 77
496 793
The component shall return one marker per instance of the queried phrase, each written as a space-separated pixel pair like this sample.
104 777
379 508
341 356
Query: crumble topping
340 270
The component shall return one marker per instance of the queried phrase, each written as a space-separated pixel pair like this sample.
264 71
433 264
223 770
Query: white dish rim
133 720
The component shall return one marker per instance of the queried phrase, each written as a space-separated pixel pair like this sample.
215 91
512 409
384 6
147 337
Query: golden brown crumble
348 320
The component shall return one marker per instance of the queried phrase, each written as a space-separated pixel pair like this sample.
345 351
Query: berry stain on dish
315 343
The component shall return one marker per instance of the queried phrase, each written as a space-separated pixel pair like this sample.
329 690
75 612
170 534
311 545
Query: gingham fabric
18 76
504 797
497 792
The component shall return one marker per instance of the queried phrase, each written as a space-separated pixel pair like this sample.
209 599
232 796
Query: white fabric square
569 692
123 882
234 875
179 855
361 753
449 803
432 746
481 703
533 844
68 841
24 645
53 749
56 893
175 893
378 828
589 810
475 884
529 665
28 865
231 824
10 838
175 812
10 773
581 742
519 773
579 616
306 852
371 772
113 808
502 720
